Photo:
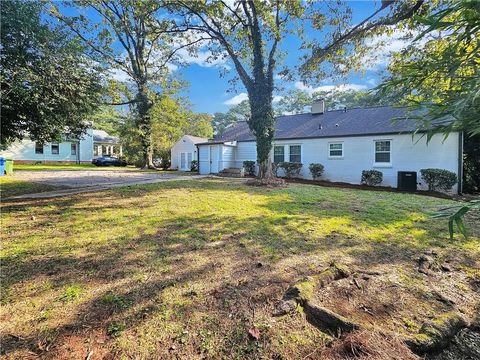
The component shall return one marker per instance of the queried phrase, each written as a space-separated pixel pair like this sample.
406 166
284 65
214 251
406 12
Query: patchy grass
73 167
31 167
10 186
184 269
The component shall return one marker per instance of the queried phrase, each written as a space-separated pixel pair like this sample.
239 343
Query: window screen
55 149
336 150
38 148
382 151
278 154
295 153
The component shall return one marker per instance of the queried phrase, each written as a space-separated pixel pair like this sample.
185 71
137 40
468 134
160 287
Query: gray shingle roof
336 123
102 136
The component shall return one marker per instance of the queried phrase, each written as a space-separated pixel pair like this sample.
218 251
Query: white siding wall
228 157
407 154
25 150
183 145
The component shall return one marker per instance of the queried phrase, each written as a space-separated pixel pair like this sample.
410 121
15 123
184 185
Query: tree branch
360 29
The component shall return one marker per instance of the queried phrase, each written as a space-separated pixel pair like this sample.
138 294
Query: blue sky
208 92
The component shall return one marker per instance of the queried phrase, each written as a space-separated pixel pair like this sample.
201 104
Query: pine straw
368 345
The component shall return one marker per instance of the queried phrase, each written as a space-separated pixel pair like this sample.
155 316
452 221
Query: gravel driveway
87 178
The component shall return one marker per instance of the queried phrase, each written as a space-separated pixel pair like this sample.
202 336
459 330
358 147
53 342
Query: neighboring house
184 151
70 151
344 141
105 144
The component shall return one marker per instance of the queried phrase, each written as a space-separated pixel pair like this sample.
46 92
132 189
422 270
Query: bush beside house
439 179
316 170
249 167
372 177
291 169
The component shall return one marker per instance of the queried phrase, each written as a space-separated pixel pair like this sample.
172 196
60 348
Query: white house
184 151
345 142
93 143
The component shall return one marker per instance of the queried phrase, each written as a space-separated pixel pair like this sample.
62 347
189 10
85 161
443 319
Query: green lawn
10 186
54 167
184 269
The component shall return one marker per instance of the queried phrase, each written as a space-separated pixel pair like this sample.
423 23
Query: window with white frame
278 154
383 151
335 150
95 150
55 149
38 148
295 153
73 149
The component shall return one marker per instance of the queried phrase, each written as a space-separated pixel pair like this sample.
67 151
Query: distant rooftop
102 136
334 123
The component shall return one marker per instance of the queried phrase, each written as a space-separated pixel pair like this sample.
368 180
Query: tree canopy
131 37
48 88
439 72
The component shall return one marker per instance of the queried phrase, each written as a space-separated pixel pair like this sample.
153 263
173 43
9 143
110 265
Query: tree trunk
145 126
262 124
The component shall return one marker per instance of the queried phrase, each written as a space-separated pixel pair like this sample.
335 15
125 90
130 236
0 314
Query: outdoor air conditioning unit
407 180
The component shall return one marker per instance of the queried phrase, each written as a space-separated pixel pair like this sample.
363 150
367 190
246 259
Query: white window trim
273 152
51 148
382 164
336 157
301 152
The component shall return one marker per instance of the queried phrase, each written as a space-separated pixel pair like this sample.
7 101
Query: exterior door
183 160
214 159
189 160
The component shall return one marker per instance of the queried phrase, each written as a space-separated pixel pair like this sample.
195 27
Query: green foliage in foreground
456 214
439 74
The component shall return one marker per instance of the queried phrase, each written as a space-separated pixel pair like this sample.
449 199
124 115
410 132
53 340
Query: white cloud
385 45
119 75
237 99
342 87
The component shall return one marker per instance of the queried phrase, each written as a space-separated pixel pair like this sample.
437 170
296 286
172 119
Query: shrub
372 177
165 164
316 170
439 179
249 167
292 169
194 165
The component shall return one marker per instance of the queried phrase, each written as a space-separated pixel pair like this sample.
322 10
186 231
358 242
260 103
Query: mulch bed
365 187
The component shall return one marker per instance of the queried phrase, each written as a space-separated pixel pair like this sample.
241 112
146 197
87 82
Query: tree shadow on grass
161 246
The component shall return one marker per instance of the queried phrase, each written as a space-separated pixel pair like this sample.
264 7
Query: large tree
249 33
48 88
128 36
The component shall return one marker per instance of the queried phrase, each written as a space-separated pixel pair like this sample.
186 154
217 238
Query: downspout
198 158
460 162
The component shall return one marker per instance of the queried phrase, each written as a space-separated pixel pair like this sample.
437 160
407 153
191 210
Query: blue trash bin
2 166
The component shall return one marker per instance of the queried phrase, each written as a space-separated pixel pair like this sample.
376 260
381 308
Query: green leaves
455 214
48 87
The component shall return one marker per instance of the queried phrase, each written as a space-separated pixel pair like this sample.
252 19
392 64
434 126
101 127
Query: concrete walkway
77 182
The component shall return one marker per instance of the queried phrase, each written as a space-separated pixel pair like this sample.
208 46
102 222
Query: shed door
189 160
214 159
182 161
